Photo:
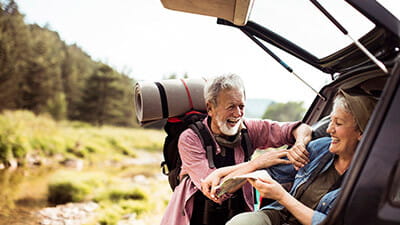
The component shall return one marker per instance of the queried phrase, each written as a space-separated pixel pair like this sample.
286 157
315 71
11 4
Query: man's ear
209 109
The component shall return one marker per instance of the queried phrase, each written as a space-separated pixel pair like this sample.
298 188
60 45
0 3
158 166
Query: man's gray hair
217 84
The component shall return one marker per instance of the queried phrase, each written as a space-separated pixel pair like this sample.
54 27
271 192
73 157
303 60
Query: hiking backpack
171 166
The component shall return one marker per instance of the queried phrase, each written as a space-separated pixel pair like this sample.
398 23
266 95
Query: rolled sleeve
267 133
317 218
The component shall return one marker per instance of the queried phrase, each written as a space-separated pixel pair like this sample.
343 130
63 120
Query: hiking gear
155 101
171 165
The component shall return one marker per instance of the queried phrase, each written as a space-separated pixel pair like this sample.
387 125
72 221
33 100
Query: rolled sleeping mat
168 98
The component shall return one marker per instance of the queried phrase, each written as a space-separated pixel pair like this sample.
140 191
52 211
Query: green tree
105 97
289 111
43 81
41 73
76 69
171 76
14 46
126 107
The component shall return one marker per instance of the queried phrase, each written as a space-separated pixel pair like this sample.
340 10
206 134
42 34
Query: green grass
116 195
22 133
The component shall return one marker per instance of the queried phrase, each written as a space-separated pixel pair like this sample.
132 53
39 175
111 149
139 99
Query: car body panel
235 11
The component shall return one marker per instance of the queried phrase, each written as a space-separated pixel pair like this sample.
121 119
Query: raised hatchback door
235 11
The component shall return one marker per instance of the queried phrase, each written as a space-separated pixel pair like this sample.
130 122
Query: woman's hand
268 188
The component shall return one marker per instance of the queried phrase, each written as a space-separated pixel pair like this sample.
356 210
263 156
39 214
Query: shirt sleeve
267 133
317 218
193 156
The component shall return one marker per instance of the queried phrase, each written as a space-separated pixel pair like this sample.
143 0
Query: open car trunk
371 191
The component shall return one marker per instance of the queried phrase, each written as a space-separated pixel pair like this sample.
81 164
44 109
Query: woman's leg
251 218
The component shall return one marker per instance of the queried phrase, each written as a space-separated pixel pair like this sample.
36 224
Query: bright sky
149 42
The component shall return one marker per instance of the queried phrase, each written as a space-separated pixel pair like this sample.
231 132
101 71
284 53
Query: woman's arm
302 213
269 188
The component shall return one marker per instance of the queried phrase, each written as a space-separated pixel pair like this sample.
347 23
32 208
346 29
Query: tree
14 46
41 73
76 69
43 81
105 98
289 111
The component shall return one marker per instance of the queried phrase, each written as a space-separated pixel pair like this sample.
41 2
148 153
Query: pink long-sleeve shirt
262 134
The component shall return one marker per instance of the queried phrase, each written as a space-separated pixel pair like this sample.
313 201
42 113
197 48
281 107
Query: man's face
228 113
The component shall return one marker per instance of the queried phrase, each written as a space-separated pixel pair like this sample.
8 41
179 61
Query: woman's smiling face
344 132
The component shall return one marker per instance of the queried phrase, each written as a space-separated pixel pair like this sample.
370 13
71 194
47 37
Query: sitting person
316 184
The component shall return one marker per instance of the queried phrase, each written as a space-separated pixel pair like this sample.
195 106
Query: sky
148 42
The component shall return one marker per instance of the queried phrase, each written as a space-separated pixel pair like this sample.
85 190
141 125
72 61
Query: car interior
369 83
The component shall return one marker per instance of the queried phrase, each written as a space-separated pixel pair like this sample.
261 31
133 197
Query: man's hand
208 185
271 158
298 155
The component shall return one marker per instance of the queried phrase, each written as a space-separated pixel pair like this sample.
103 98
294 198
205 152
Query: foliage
116 196
68 191
115 190
106 98
41 73
289 111
23 133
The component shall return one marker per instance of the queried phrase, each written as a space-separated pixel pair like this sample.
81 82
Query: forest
39 72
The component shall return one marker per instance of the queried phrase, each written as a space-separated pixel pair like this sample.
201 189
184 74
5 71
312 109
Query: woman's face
344 132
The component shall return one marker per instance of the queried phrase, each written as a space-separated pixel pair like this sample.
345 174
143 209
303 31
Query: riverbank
31 206
49 168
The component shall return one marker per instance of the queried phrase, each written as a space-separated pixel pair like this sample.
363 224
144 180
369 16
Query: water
23 191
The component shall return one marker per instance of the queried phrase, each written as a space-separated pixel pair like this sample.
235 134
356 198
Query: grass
116 195
23 133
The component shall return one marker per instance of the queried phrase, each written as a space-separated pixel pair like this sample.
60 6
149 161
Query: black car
371 191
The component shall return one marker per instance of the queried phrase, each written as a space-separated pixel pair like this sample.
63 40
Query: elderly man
192 202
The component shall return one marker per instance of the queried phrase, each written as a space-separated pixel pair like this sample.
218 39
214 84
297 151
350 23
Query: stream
23 191
23 196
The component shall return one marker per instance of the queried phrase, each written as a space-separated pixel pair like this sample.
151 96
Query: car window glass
302 23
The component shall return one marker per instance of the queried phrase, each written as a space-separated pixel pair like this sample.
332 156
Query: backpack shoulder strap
246 144
206 140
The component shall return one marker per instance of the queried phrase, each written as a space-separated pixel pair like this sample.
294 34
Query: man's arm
268 159
298 154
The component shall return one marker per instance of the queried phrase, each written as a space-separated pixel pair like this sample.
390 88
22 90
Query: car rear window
302 23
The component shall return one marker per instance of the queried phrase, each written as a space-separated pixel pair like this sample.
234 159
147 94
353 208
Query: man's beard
227 130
